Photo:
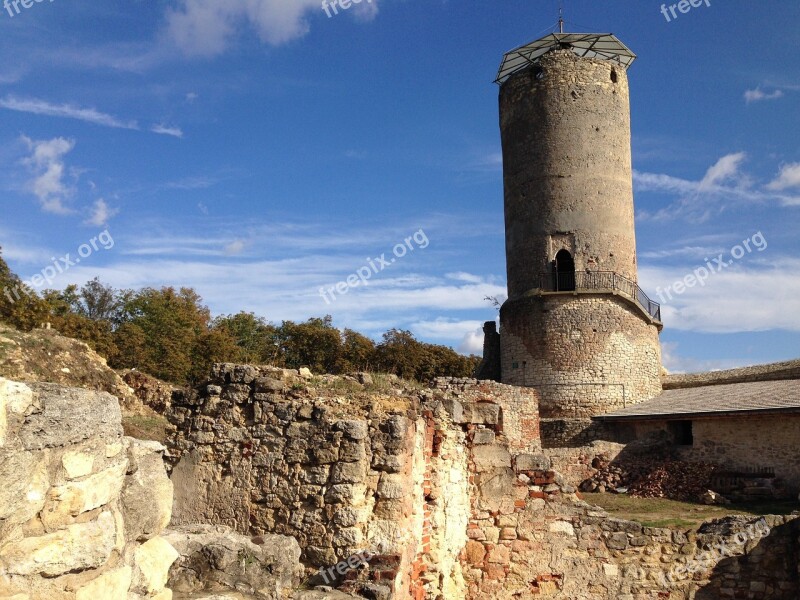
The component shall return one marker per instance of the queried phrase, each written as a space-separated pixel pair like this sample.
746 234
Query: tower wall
567 168
587 354
565 125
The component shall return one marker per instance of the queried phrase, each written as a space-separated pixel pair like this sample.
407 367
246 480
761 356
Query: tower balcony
599 282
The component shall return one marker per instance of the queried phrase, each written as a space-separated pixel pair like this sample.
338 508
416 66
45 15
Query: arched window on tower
564 272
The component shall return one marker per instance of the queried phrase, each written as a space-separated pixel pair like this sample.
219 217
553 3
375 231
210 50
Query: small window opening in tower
614 75
564 272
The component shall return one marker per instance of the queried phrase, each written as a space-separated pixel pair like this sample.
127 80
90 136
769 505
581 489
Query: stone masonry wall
449 487
772 372
342 466
260 451
81 506
586 355
754 442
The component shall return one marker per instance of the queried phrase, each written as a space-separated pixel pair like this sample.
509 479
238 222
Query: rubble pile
655 478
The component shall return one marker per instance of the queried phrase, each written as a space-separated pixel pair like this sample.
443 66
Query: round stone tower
576 325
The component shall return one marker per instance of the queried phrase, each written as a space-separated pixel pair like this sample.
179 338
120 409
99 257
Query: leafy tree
357 354
399 353
171 324
100 302
315 344
256 339
19 305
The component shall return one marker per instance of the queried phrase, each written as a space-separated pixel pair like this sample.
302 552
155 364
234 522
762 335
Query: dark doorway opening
564 272
681 432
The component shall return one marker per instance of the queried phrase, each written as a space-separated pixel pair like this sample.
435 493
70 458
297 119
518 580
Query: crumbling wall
537 538
261 451
450 491
81 506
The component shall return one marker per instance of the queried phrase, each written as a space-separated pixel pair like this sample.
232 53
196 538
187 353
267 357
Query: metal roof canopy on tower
604 46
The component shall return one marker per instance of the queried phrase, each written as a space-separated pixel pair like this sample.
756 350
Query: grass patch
145 427
672 514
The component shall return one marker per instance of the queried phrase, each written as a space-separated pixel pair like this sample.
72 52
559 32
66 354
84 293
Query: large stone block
481 413
24 481
77 547
152 562
15 399
65 502
209 553
111 585
65 416
488 458
147 495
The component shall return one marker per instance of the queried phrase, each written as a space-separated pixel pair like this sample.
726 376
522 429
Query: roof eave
699 415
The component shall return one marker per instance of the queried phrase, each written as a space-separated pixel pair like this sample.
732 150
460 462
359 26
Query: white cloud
206 27
472 343
167 130
235 247
46 165
191 183
732 300
789 177
448 329
67 111
757 95
676 363
101 213
724 181
461 276
725 169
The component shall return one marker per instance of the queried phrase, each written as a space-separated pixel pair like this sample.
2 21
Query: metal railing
599 280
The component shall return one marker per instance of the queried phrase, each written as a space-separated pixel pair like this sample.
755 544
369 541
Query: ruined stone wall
81 506
586 355
772 372
529 535
449 487
260 451
341 466
489 367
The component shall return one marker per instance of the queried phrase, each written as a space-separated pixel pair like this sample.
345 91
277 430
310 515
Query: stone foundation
586 354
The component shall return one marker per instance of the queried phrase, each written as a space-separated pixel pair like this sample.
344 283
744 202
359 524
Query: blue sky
258 150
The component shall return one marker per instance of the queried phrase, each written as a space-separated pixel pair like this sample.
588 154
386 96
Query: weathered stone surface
77 464
492 457
152 562
532 462
481 413
111 585
65 502
15 399
147 495
68 416
24 481
217 555
62 471
76 547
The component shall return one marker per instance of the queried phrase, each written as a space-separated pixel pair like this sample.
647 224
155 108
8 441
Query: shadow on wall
769 569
